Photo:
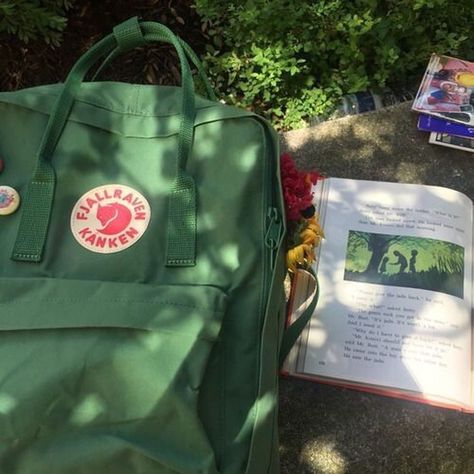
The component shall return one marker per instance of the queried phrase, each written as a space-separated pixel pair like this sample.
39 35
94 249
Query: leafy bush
34 19
292 59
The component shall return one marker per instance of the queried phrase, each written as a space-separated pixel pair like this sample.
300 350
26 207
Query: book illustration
428 123
412 262
447 89
445 139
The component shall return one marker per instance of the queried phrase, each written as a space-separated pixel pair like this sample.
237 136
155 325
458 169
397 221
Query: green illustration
406 261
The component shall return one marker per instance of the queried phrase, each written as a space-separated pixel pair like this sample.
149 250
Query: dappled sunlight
206 147
410 171
7 403
324 456
229 255
265 407
207 222
249 159
87 410
319 334
153 341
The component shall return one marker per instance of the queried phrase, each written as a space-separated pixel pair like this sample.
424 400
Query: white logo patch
110 218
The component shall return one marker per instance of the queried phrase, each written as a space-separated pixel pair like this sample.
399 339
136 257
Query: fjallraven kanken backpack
141 276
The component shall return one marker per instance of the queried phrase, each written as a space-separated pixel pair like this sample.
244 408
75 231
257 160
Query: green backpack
141 277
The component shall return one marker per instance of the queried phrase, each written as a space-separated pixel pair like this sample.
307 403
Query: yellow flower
296 256
312 233
303 254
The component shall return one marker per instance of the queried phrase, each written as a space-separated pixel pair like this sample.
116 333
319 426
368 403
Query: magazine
447 90
395 273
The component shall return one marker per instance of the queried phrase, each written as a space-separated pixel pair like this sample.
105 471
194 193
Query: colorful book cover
428 123
447 90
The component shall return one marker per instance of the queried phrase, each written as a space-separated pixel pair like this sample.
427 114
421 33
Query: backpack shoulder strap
294 331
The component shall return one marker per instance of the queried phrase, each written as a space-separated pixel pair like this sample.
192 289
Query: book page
395 275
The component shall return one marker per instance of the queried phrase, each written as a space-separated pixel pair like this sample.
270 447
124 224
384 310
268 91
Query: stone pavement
330 430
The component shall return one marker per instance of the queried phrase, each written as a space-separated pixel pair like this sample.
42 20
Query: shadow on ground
383 146
329 430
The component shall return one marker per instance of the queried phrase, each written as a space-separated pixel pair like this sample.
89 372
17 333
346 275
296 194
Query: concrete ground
330 430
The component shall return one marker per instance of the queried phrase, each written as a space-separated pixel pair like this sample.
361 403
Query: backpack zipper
273 234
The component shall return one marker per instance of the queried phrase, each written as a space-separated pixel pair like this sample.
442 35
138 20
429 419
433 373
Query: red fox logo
115 218
110 218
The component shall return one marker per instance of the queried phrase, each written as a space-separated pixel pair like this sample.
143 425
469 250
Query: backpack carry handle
191 55
37 206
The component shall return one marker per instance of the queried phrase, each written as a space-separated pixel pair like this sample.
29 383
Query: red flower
296 187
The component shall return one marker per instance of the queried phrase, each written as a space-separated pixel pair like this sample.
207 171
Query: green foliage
292 59
34 19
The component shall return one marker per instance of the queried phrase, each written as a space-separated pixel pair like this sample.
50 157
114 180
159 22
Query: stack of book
445 101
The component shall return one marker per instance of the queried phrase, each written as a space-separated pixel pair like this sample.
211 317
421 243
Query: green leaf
295 58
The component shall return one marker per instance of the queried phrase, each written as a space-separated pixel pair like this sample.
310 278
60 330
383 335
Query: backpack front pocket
100 377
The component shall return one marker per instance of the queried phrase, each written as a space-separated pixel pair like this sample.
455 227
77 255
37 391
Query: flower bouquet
304 229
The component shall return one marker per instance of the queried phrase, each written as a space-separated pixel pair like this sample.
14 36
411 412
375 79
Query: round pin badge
9 200
110 218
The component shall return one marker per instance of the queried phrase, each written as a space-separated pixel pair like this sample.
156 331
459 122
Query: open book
395 309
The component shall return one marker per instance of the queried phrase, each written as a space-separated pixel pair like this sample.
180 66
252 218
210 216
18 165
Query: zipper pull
273 234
